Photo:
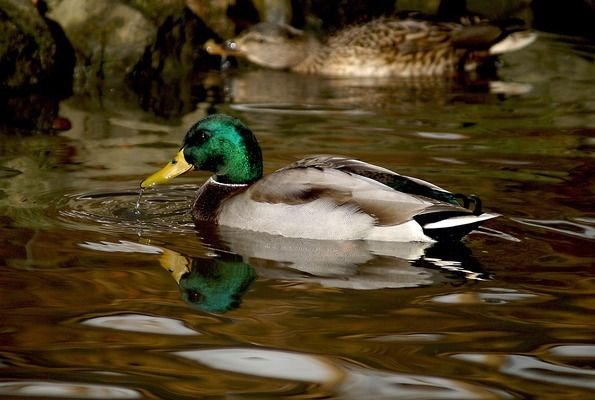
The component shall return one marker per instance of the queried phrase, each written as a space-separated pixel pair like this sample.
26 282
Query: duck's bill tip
228 48
175 167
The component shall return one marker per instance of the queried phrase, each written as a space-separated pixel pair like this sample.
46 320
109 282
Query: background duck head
272 45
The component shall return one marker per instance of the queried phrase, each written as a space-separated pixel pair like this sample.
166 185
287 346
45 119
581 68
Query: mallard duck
383 47
320 197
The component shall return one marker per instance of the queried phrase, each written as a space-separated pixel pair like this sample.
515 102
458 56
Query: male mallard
383 47
319 197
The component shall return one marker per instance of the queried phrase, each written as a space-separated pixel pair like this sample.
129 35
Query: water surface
100 301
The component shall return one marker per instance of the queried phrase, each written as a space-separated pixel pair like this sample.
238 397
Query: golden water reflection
218 283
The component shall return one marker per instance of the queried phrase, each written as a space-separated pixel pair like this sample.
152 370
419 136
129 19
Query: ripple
46 389
488 296
532 368
363 383
165 210
441 135
6 172
574 351
298 109
267 363
583 227
141 323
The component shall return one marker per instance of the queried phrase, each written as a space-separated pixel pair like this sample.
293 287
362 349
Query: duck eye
194 296
198 138
231 45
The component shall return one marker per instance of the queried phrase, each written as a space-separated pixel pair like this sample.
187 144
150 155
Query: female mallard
319 197
380 48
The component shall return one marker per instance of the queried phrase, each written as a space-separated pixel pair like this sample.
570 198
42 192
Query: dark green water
98 302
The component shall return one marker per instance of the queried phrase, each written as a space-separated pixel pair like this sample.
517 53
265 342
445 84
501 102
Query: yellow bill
175 263
175 167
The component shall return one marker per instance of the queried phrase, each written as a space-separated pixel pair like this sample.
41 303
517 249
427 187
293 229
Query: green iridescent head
218 143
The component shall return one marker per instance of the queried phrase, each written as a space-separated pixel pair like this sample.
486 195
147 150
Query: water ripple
298 109
165 210
532 368
583 227
44 389
267 363
141 323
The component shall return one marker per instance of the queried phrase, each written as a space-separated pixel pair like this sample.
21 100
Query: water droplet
137 211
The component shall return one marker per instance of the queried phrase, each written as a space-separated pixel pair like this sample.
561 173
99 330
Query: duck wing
352 184
331 197
442 218
395 36
385 176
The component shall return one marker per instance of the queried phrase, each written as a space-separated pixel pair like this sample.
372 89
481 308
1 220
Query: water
137 210
101 298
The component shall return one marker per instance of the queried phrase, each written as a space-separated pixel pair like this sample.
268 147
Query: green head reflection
209 284
216 286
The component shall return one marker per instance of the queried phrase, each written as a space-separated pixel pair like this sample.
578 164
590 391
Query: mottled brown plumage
383 47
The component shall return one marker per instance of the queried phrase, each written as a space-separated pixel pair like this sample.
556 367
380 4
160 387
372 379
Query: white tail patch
460 221
513 42
510 88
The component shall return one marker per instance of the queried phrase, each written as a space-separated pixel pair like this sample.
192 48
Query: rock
163 77
138 44
109 38
34 54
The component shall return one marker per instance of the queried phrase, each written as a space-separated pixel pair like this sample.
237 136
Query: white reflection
373 384
123 246
532 368
141 323
267 363
574 351
407 337
510 88
583 229
362 265
491 296
349 381
45 389
297 109
496 233
441 135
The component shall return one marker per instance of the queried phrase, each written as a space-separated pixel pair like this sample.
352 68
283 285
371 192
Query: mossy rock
30 56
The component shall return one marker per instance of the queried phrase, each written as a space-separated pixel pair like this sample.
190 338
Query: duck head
271 45
218 143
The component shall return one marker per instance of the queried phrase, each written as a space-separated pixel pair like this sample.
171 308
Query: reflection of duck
384 47
323 197
212 284
361 265
218 284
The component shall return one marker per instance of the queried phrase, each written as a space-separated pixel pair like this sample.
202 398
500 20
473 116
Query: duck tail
513 42
452 225
495 37
454 228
